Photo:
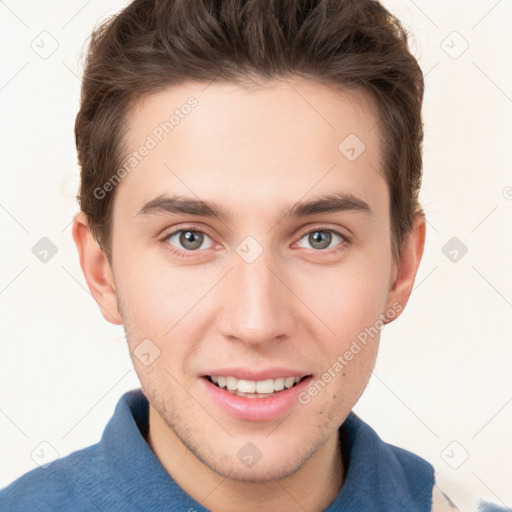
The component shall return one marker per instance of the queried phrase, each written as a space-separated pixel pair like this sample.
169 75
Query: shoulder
441 502
63 484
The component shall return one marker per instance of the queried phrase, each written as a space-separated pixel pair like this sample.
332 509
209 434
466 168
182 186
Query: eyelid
166 234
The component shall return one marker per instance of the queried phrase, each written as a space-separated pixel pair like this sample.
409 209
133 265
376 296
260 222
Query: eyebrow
327 203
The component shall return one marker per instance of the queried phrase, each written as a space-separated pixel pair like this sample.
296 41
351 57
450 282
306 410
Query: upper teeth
252 386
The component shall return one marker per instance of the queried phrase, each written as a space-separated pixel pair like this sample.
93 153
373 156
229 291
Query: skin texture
256 151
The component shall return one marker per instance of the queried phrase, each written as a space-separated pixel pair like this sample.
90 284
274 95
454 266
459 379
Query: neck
313 487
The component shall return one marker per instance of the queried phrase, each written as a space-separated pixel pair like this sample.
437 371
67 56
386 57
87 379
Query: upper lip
256 375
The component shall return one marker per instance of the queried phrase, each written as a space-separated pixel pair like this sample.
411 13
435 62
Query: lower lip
255 409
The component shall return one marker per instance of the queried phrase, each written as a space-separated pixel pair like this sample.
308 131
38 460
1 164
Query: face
266 286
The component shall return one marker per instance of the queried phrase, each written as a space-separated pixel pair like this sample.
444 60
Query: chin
260 461
260 472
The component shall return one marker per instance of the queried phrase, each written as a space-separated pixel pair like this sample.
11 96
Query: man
250 215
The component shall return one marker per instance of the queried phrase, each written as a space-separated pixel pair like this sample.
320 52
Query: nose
258 303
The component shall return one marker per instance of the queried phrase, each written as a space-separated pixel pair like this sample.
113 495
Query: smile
252 400
252 388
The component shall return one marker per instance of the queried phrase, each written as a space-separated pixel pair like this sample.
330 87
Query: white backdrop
442 386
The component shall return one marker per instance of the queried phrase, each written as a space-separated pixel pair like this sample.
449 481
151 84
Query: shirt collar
378 476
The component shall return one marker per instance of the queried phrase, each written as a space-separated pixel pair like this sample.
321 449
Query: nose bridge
255 308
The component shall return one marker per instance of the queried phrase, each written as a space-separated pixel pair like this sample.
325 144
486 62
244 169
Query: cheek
166 306
155 307
156 297
346 298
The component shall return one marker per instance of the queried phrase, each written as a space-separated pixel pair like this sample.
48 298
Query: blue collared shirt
121 473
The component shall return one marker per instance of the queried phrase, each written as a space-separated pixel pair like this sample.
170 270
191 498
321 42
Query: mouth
256 401
254 389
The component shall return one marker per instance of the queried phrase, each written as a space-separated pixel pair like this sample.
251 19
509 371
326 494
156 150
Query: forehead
276 142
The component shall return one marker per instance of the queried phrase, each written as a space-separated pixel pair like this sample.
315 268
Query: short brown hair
154 44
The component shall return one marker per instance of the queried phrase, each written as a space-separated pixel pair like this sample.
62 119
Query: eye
185 242
188 240
321 239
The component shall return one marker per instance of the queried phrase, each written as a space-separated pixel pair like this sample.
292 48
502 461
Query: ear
96 269
404 271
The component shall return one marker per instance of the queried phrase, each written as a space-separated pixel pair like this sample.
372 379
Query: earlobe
407 267
96 269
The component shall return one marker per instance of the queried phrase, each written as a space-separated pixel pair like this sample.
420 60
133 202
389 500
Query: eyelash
190 254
